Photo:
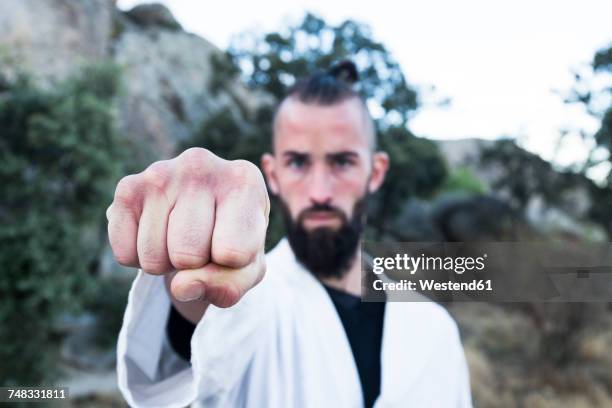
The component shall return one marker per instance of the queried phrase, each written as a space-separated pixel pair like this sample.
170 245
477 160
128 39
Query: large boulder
168 74
51 38
153 14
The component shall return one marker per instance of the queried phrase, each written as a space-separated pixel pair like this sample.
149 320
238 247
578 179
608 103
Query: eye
342 162
297 162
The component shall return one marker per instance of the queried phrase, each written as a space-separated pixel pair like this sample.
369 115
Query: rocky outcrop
167 72
166 79
151 15
553 202
51 38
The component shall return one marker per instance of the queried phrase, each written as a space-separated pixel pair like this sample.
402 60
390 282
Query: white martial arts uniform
283 345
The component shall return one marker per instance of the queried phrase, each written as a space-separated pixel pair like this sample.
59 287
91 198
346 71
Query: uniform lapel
337 365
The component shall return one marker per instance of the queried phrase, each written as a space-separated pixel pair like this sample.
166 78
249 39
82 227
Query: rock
475 218
552 202
153 14
415 223
456 217
167 77
554 221
167 71
51 38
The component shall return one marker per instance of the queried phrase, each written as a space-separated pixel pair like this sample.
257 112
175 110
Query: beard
326 252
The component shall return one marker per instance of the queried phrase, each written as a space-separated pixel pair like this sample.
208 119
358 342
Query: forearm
193 310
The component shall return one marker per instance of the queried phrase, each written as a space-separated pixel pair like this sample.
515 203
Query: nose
320 189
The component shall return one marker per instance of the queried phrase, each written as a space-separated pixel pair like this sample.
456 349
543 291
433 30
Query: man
220 333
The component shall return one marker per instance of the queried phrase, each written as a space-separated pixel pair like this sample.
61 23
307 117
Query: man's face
323 165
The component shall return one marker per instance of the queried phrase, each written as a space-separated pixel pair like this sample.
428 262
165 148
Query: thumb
220 285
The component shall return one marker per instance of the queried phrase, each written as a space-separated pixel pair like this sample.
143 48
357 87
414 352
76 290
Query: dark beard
325 252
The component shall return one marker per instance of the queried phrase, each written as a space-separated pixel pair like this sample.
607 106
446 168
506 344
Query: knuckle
124 258
157 176
154 266
126 192
196 166
196 154
189 248
245 172
231 257
195 162
186 260
247 177
153 259
227 295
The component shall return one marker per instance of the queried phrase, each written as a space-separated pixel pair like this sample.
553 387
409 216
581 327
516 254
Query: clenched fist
197 214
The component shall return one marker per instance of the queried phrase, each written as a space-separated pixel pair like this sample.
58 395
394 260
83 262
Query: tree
592 90
274 61
61 155
270 63
594 94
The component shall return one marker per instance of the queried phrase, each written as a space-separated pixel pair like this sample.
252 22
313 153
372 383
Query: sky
501 63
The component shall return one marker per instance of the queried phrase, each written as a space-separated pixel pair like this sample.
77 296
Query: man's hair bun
327 87
345 71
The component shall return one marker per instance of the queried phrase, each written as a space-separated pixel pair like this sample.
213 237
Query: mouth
316 219
321 215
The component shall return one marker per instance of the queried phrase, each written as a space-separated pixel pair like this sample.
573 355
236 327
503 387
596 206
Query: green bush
61 155
463 180
107 304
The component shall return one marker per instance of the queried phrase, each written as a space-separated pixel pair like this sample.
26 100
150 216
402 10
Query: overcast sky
498 61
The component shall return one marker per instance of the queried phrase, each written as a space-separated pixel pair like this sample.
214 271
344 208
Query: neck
350 282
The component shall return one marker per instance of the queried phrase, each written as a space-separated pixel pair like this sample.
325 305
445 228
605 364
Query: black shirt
363 324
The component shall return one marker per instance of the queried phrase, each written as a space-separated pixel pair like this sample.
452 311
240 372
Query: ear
268 164
380 165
